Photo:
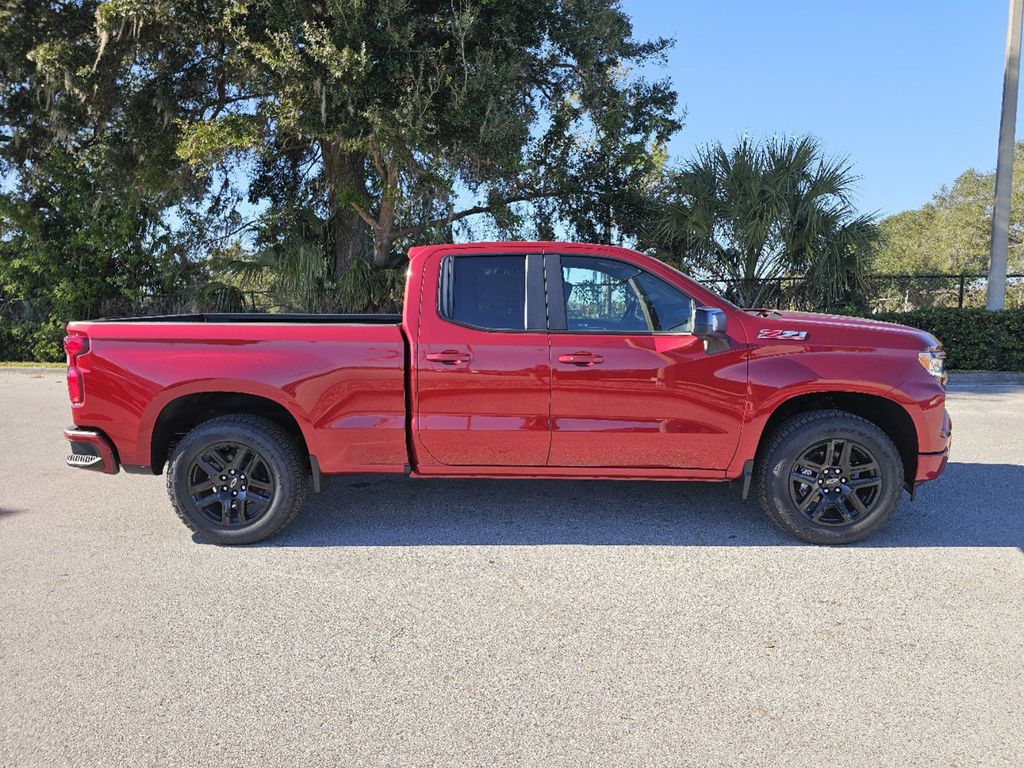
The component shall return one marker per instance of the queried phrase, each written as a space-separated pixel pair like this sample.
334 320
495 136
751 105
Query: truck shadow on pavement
972 505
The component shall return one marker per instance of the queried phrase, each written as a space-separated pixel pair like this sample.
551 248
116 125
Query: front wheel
236 479
829 477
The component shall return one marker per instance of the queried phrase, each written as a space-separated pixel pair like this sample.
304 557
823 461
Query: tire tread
822 417
269 431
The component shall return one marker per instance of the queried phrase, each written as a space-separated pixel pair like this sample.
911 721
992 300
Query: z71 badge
778 333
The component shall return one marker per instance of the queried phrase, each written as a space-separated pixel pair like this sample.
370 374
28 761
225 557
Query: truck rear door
482 373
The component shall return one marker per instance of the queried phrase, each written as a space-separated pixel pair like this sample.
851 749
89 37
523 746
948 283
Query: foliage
363 288
218 296
761 211
613 164
162 133
396 119
289 267
31 341
71 238
951 233
288 261
89 181
974 339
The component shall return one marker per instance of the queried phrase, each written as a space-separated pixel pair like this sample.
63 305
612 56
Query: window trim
534 311
556 315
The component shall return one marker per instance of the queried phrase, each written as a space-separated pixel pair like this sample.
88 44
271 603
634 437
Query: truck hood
762 326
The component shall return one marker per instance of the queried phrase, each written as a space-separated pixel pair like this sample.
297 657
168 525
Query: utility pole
996 294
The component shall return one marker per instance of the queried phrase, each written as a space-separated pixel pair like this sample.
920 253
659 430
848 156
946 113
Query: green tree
89 180
761 211
951 233
612 162
212 126
390 119
71 239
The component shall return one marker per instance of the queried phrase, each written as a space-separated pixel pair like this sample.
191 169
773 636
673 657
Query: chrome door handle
581 359
449 357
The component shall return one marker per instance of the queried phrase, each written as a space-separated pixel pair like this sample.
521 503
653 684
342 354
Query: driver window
612 296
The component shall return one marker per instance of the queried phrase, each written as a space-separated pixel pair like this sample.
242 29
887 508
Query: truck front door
630 385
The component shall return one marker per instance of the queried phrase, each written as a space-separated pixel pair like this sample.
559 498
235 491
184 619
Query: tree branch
405 231
364 215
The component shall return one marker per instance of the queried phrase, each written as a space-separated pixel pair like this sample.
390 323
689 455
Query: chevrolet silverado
516 360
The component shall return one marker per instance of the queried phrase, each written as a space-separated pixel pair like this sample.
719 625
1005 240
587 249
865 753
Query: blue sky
909 90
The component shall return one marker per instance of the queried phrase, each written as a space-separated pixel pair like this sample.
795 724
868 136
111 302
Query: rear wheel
829 477
236 479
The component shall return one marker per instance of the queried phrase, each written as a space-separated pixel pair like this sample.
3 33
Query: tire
211 492
840 503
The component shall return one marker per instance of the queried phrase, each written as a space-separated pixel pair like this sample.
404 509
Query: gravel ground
508 622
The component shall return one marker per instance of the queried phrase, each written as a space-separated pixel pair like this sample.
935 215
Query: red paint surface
510 404
344 385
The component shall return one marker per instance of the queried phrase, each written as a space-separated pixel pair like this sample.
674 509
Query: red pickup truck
536 360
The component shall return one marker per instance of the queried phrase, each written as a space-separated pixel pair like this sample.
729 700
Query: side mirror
709 323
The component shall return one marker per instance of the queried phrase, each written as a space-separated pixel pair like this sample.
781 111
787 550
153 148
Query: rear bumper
91 450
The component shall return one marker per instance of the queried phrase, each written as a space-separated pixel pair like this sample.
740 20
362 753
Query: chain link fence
885 293
16 310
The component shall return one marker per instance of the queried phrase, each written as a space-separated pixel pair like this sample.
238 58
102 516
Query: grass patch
14 364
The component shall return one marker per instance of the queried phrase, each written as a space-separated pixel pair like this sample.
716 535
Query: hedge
974 339
28 341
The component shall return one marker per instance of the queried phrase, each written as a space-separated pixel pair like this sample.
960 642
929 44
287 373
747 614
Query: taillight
75 345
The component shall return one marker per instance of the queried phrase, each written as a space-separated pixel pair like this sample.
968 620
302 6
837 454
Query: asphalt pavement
492 623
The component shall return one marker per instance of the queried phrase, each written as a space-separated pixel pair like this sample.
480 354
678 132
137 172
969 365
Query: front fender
779 375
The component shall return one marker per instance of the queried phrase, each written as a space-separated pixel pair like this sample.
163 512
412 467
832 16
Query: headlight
934 361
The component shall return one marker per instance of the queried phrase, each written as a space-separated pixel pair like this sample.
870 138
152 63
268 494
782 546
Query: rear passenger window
487 292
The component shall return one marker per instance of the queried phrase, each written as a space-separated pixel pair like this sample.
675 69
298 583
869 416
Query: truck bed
338 380
259 317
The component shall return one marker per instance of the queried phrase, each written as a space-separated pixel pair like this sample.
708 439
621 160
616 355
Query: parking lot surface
487 623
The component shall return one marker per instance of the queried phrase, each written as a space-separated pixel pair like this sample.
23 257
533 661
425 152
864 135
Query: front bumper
931 465
91 450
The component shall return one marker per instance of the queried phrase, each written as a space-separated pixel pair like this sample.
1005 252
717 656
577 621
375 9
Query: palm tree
288 263
762 211
290 266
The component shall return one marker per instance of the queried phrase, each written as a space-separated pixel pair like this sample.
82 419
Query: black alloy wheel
836 482
231 484
829 476
237 479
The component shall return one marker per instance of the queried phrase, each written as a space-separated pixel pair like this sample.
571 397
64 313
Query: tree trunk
348 237
384 232
381 250
344 176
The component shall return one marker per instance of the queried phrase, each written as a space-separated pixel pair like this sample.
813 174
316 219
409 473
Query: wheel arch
885 413
183 413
